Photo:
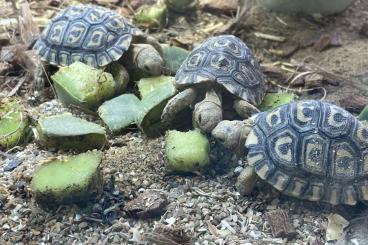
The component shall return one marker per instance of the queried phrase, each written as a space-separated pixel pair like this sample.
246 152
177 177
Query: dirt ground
206 208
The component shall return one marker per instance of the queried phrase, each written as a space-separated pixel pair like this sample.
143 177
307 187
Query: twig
270 37
301 90
235 24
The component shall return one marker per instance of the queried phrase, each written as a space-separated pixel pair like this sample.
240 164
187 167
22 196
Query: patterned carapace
86 33
229 62
311 150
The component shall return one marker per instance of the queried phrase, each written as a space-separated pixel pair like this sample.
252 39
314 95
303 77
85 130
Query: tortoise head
148 59
232 134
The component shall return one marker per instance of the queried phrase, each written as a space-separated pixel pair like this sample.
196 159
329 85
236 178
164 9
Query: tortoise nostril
146 68
199 119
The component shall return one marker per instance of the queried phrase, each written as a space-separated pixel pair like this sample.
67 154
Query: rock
219 6
64 131
186 151
73 179
147 205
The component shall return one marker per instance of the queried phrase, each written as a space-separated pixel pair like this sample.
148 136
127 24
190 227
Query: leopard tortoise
308 149
97 36
220 64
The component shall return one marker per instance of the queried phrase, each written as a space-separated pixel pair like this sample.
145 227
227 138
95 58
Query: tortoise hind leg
208 113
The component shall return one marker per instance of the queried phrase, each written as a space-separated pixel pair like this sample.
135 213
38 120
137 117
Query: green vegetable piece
174 57
120 112
65 131
127 109
363 116
187 152
151 16
273 100
74 179
149 120
147 85
83 85
14 123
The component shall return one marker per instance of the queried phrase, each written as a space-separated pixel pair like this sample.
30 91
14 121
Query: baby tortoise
307 149
220 63
98 37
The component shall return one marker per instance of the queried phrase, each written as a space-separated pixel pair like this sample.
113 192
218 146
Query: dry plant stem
28 29
236 24
301 90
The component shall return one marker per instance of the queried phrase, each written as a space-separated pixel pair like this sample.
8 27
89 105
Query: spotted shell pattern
86 33
311 150
229 62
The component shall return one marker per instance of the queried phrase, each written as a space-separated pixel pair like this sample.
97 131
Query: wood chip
286 50
213 230
281 225
148 204
219 6
28 29
354 103
326 40
165 235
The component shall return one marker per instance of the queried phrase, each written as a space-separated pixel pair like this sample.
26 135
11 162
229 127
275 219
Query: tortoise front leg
244 109
246 180
208 113
176 104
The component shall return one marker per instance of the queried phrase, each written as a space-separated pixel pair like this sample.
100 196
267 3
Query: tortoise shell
228 61
311 150
86 33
